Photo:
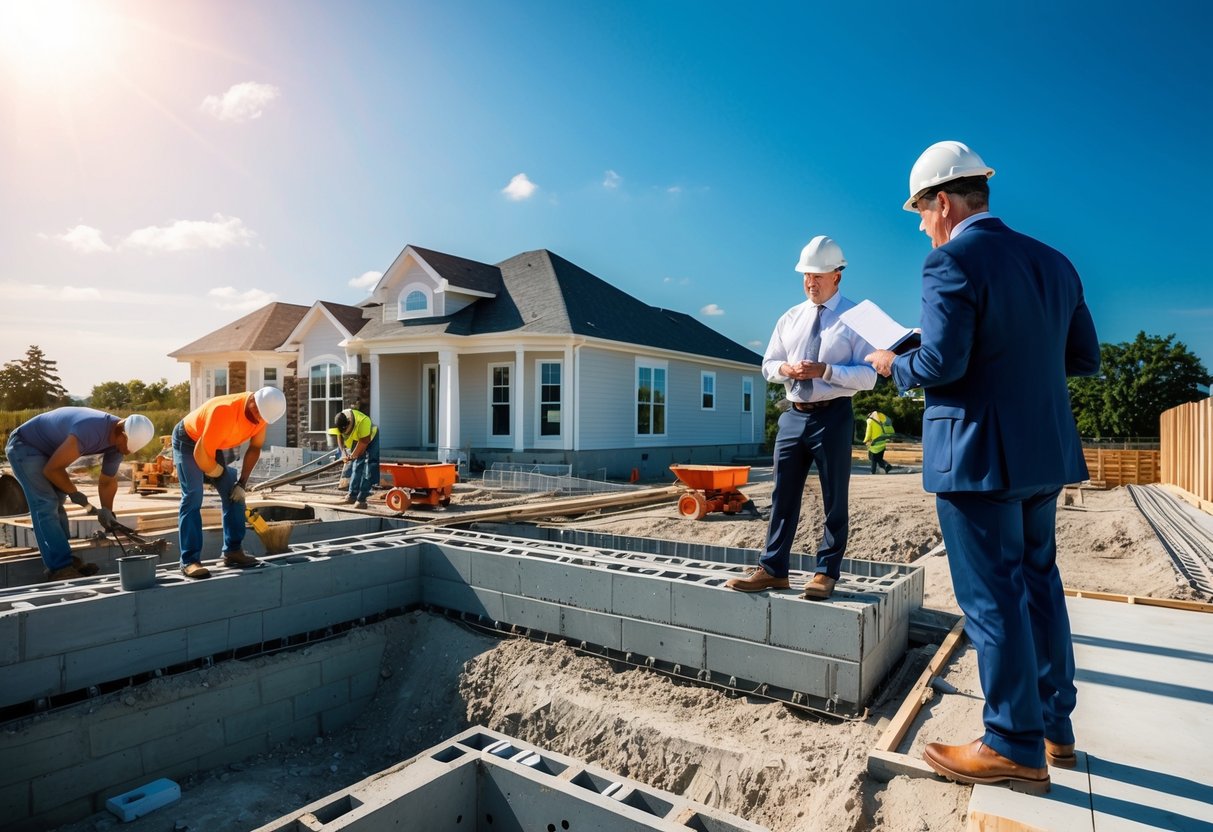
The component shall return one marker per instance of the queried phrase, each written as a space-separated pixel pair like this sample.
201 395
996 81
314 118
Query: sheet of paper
875 326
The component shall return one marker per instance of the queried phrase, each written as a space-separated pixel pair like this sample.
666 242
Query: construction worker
819 359
1004 323
876 437
359 440
40 451
200 441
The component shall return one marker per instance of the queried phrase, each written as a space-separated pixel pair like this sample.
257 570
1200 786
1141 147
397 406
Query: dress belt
806 407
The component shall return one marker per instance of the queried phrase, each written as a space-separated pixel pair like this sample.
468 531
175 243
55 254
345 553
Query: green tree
110 395
1137 382
31 383
905 411
136 395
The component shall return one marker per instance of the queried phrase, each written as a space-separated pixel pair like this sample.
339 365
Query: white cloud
520 188
366 280
611 180
674 189
231 299
82 238
711 309
681 281
755 345
183 235
80 293
241 102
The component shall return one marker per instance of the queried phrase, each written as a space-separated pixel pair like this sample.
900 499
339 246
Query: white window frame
704 377
508 436
747 388
554 439
276 381
402 314
652 365
330 413
211 389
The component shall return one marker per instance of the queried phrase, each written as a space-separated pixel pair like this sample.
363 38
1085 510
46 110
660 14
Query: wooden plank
885 765
982 822
1168 603
570 506
911 705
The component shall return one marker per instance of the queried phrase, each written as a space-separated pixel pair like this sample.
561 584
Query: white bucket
137 571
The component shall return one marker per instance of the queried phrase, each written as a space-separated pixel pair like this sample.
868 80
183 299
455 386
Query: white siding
473 400
321 339
608 393
399 396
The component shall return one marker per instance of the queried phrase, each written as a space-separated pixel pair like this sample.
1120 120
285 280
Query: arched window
324 396
416 302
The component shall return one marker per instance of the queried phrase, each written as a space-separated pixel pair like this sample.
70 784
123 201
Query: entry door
429 406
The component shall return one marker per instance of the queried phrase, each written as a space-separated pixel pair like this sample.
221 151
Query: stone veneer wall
237 376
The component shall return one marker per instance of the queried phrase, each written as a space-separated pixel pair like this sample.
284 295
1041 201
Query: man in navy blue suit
1003 323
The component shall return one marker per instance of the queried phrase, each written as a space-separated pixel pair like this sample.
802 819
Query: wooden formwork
1186 432
1116 467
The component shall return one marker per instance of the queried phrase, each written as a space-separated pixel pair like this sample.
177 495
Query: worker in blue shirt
40 451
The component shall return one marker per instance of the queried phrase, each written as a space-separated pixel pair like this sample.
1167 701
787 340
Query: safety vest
878 433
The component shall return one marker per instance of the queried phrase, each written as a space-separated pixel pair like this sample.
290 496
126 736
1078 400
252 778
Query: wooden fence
1187 447
1112 468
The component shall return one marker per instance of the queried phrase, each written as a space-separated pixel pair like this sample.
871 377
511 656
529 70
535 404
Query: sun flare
46 39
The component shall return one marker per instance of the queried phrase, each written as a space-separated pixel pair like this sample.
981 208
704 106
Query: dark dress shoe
979 764
757 580
1060 754
819 588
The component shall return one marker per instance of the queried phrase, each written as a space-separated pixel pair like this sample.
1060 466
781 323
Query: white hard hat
821 256
271 404
139 431
942 162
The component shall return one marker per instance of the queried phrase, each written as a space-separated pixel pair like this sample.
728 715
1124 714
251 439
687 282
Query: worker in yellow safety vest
880 428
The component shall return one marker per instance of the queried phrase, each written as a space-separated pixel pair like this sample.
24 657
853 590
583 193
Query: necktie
814 350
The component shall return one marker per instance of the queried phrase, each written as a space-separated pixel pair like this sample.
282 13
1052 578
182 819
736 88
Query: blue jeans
189 515
363 473
45 503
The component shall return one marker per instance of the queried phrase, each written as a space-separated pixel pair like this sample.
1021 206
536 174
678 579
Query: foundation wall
56 768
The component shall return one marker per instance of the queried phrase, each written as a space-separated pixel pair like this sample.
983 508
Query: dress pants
1002 552
821 437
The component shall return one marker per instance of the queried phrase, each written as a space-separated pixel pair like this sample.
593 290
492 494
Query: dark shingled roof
462 273
350 317
262 330
542 293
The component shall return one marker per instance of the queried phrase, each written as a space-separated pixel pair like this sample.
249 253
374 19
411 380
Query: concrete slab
1144 724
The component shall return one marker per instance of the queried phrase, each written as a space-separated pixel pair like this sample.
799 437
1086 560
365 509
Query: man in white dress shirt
819 359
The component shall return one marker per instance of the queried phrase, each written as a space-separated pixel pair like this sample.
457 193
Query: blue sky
167 167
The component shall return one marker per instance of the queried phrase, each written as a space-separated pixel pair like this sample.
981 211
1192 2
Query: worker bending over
199 442
40 451
359 439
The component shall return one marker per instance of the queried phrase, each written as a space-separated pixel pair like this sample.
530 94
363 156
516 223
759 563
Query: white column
518 397
374 391
568 399
448 404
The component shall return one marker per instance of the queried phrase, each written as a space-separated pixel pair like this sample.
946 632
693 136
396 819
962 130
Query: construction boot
347 501
757 579
85 569
195 571
1060 754
819 587
64 573
360 504
239 560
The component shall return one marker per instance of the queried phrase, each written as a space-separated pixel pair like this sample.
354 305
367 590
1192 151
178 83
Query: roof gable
346 320
263 329
448 273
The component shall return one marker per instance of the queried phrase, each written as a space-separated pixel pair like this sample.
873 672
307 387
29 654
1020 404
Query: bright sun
46 39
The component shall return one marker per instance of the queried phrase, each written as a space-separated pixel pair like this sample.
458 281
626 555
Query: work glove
238 495
107 519
79 499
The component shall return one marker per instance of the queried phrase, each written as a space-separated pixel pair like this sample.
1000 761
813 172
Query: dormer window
416 301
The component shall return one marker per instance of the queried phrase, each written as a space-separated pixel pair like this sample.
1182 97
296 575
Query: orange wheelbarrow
423 484
712 488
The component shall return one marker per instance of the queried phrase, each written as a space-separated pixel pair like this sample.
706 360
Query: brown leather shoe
239 560
757 580
819 588
84 568
1060 754
65 573
195 571
978 763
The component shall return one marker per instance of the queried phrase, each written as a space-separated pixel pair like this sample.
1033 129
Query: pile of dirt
773 765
